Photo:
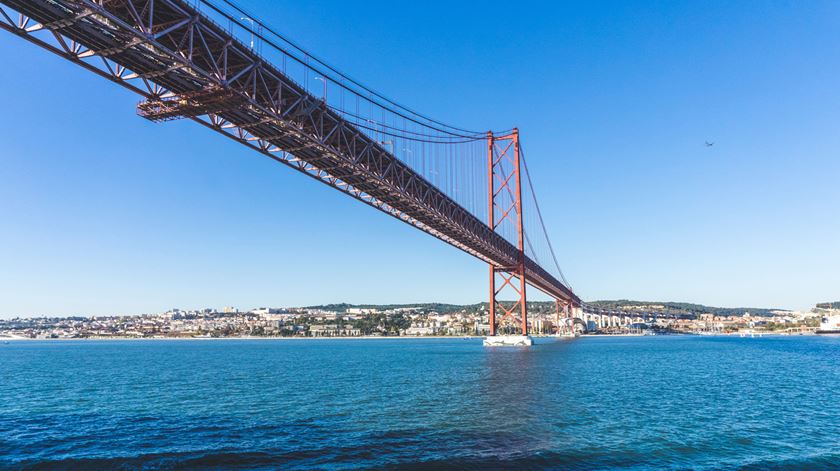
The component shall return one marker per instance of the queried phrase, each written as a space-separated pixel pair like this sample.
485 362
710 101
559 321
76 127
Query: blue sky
103 212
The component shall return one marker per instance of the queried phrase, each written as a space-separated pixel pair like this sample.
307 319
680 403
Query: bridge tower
505 207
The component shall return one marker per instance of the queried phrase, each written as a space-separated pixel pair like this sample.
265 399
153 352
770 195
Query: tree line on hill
549 307
686 308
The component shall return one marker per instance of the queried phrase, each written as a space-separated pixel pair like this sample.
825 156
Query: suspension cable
344 76
542 222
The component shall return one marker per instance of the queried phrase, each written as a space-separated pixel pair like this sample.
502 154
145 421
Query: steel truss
166 51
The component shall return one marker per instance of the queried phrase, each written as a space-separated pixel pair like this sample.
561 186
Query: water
593 403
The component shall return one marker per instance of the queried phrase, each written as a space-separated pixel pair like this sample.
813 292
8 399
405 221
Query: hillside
685 308
548 306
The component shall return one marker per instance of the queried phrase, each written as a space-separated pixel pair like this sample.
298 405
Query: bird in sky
709 144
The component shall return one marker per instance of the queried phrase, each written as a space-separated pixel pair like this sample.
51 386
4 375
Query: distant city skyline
105 213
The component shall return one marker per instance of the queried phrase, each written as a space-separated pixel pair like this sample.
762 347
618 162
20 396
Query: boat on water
830 324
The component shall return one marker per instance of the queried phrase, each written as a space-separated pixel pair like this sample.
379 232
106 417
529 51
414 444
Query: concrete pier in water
508 341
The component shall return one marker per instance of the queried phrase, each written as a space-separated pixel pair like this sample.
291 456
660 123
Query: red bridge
213 63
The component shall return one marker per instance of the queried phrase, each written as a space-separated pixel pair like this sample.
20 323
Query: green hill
686 309
834 305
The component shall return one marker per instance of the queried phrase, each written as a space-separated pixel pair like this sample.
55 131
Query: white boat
830 325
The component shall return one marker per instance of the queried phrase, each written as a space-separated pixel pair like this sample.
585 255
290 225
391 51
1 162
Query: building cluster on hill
259 322
695 318
782 321
354 321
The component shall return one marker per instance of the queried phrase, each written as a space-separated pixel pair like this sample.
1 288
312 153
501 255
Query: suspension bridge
212 62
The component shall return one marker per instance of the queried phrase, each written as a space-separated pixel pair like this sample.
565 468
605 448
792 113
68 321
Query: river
670 402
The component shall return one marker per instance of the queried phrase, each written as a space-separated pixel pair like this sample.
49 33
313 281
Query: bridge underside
187 66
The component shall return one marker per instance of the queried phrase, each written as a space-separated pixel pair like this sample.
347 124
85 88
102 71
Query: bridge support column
505 211
569 320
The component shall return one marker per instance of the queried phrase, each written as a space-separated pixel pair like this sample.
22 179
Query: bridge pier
508 341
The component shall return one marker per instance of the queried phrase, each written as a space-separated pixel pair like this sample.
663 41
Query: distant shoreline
372 337
403 337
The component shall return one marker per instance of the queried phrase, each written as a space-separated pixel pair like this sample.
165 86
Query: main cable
331 68
542 222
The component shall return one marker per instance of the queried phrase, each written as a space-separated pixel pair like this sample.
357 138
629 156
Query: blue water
592 403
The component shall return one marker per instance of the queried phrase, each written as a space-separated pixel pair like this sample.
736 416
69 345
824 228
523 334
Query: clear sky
102 212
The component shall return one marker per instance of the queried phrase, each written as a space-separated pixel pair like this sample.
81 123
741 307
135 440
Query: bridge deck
176 50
